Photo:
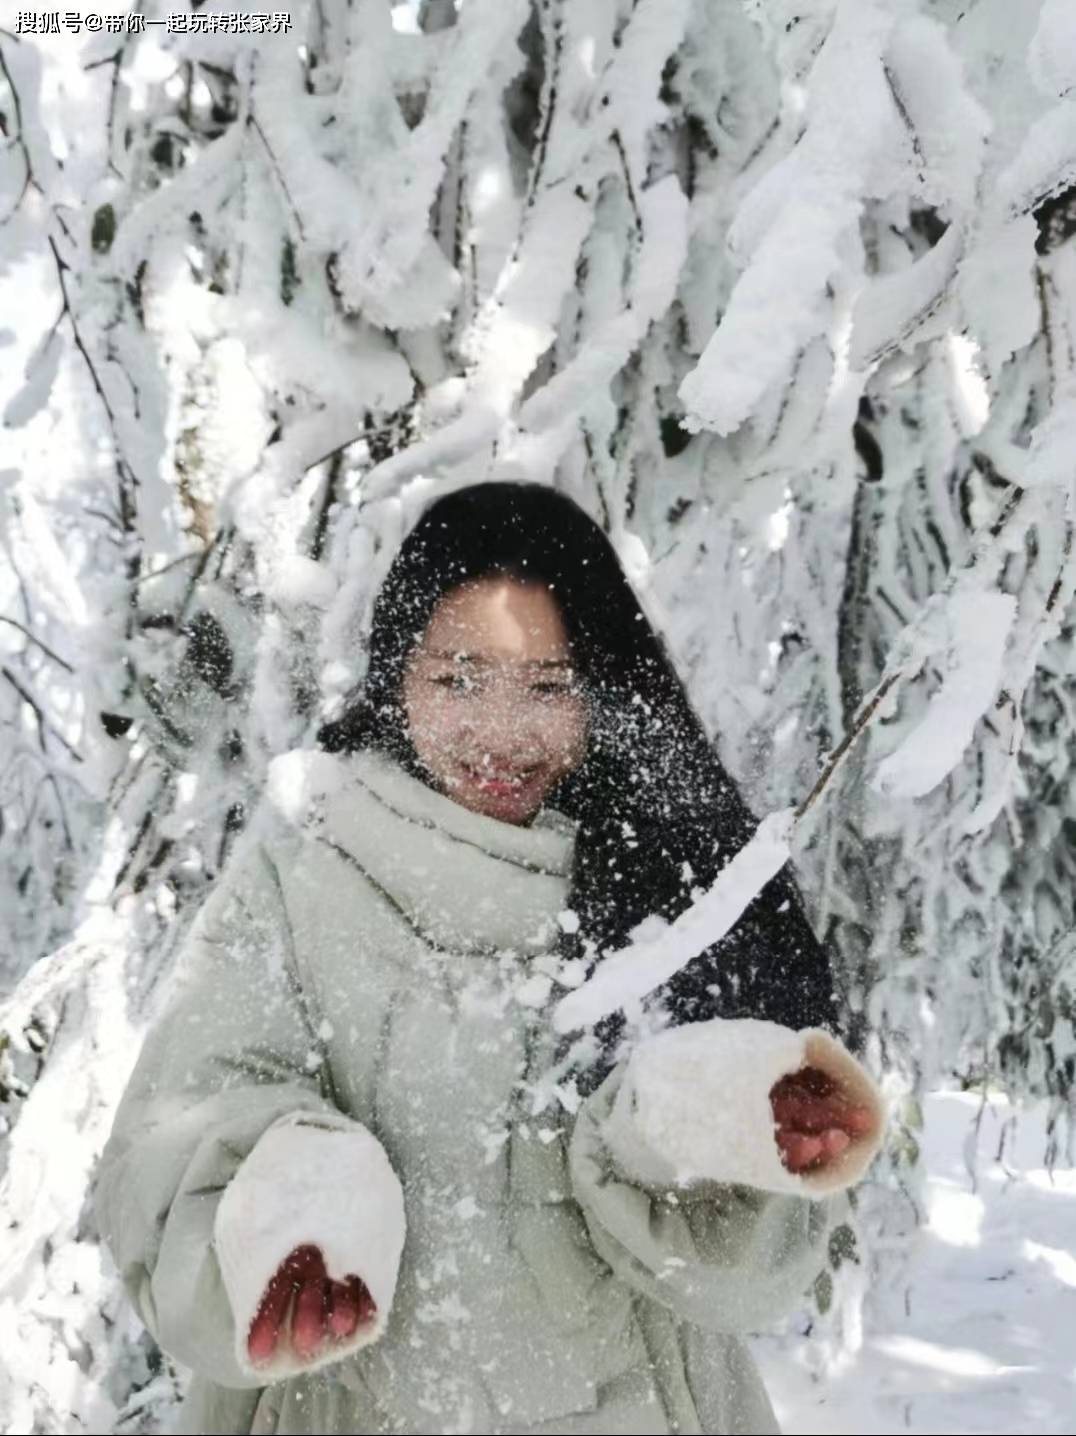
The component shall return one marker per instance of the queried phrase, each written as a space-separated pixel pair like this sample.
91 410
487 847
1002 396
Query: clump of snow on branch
969 635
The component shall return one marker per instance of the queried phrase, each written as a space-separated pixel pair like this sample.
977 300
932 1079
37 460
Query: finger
305 1261
808 1079
835 1141
271 1316
797 1150
343 1311
858 1121
832 1101
811 1153
364 1302
816 1114
811 1083
261 1343
351 1306
265 1328
309 1317
269 1319
798 1153
804 1114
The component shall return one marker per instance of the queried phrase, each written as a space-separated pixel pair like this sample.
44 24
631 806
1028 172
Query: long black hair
658 816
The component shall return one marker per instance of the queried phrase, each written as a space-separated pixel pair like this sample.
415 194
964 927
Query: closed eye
455 682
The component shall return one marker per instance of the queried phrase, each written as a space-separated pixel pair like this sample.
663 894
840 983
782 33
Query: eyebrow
444 655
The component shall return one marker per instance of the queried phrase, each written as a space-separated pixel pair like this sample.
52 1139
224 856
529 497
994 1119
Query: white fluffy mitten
694 1104
318 1181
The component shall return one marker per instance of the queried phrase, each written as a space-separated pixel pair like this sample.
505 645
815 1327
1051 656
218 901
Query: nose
503 728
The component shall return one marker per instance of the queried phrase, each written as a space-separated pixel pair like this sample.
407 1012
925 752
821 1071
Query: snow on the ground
988 1341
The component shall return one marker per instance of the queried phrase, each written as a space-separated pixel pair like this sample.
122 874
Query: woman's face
492 702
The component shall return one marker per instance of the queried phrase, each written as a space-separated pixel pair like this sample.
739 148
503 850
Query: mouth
500 782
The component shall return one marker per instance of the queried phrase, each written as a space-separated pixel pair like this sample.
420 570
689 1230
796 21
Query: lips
499 782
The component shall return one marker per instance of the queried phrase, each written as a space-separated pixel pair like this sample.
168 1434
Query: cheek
428 722
566 735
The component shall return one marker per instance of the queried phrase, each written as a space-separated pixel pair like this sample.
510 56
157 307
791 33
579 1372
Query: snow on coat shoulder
694 1104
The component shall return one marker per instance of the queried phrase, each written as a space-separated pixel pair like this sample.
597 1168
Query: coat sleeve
232 1098
674 1164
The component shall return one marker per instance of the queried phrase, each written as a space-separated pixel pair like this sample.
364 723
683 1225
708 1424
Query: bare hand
304 1308
814 1121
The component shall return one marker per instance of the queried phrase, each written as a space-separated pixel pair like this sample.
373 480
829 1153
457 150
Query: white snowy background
785 295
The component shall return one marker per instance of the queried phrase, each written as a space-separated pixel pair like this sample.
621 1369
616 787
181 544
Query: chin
506 810
515 808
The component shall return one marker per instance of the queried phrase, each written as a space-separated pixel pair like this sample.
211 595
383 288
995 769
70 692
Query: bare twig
1041 283
902 111
62 267
43 721
165 568
342 449
116 61
629 185
68 839
255 124
110 519
552 80
34 639
1055 591
328 498
222 541
28 177
128 480
859 724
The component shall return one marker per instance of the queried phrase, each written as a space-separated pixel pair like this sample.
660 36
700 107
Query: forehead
498 618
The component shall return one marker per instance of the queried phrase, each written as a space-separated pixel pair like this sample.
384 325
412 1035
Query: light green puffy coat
377 955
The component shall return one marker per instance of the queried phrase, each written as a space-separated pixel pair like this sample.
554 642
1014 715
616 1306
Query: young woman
356 1183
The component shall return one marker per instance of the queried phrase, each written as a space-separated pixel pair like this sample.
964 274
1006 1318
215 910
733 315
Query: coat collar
462 880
